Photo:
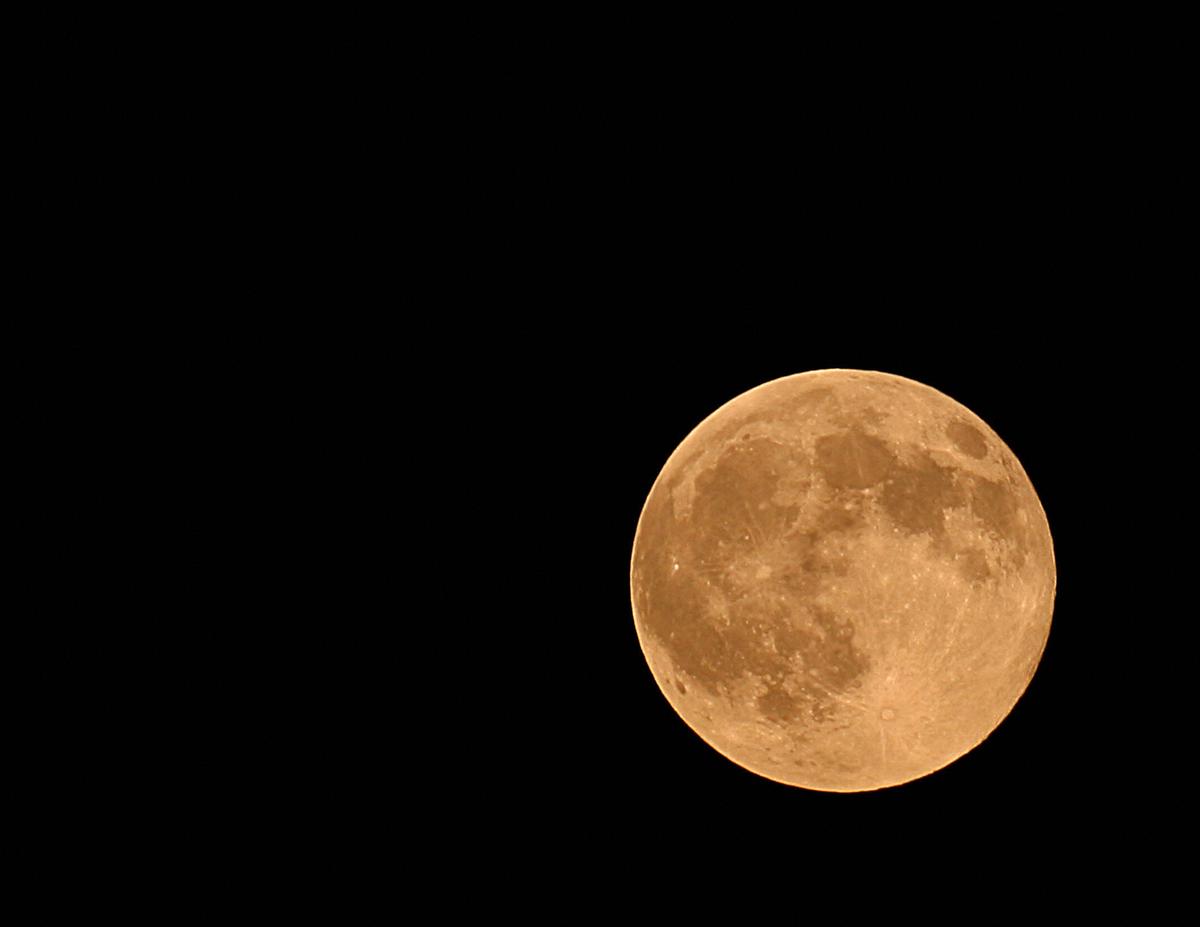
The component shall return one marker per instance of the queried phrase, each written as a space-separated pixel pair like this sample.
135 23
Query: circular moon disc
842 580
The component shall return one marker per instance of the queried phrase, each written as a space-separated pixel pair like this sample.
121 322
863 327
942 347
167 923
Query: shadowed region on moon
842 580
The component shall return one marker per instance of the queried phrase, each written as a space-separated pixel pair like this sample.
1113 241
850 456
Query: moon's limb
842 580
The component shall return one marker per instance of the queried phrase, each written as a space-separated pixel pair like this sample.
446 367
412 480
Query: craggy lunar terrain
842 580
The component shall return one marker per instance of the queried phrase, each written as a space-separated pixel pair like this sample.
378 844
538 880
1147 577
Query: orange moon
842 580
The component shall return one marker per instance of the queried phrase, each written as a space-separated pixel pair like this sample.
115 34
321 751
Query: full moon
842 580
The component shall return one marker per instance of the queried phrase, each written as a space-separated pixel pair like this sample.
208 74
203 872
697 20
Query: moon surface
842 580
